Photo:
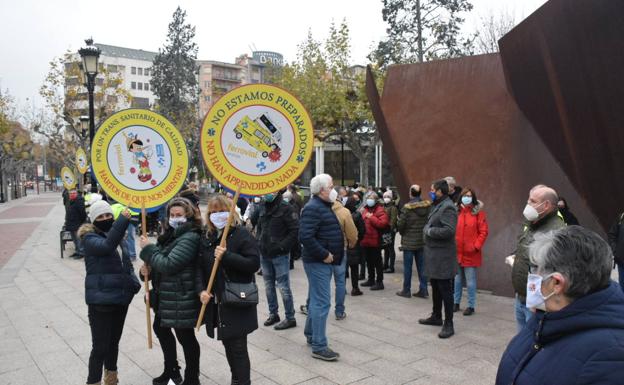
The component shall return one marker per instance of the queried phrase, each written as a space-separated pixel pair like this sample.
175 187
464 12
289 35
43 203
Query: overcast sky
33 32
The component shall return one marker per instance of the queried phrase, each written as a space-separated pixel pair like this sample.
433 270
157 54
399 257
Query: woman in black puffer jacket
240 259
172 263
110 285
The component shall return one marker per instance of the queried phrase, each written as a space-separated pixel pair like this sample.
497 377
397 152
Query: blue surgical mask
175 222
466 200
432 195
370 202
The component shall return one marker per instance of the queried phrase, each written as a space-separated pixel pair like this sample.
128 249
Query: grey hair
579 254
372 195
451 182
320 182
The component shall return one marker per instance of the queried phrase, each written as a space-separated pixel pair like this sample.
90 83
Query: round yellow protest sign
138 157
81 161
259 136
68 177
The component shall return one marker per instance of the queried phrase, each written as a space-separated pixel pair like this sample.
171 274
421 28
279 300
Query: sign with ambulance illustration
81 161
68 178
259 136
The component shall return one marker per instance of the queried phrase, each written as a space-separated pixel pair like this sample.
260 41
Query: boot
447 329
191 377
110 377
172 374
95 383
432 320
370 282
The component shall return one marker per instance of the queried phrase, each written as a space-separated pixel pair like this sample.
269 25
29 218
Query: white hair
451 182
320 182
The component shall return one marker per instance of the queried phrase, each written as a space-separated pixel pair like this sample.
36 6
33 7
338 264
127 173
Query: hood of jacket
421 208
600 310
85 229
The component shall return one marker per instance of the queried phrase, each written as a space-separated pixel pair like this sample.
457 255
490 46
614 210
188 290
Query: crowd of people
560 273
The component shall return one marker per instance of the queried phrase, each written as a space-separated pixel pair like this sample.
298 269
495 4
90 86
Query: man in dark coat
411 223
75 215
616 241
277 228
323 246
441 256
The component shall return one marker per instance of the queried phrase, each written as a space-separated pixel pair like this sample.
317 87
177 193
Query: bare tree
493 27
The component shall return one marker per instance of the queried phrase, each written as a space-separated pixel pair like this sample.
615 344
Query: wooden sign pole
215 266
148 314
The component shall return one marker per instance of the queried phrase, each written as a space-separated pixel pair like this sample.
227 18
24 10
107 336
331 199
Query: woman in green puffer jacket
171 264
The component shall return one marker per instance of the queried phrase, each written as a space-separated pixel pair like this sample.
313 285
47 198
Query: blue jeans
130 241
340 279
319 291
523 314
471 285
277 270
620 266
408 262
78 249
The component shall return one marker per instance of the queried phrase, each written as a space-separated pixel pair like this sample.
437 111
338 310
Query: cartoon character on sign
142 155
261 134
68 177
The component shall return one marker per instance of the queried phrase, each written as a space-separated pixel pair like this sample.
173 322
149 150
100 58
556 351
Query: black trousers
186 337
106 322
375 265
238 359
355 279
442 292
389 254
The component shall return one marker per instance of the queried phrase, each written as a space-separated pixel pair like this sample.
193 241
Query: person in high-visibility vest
134 221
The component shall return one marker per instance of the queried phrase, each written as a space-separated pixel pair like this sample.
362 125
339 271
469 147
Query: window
146 86
207 98
207 84
140 71
111 68
140 85
133 84
140 102
147 72
133 70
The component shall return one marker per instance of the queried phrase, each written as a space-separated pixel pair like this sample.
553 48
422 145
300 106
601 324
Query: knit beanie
99 208
387 194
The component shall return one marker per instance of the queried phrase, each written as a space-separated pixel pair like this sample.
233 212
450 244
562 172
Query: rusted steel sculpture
501 131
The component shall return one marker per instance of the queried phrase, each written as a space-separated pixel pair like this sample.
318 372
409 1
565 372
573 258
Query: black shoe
285 324
421 294
272 320
456 308
469 311
340 317
76 256
404 294
191 379
367 283
361 277
377 286
447 330
259 272
172 374
356 292
326 355
303 309
432 320
388 271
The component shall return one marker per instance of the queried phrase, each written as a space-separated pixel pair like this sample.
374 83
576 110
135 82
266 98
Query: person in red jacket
470 236
375 220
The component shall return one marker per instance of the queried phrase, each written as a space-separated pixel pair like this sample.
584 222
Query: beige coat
349 231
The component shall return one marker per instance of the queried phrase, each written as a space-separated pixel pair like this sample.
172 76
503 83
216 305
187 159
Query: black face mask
104 225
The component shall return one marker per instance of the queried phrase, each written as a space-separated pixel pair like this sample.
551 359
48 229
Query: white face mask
387 200
333 194
256 199
530 212
175 222
219 219
534 298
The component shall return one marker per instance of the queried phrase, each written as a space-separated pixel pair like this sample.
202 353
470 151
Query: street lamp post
90 55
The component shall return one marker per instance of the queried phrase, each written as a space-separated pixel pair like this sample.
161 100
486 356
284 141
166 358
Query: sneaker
469 311
377 286
303 309
404 294
456 308
340 317
285 324
367 283
356 292
326 355
388 271
447 330
272 320
421 294
432 320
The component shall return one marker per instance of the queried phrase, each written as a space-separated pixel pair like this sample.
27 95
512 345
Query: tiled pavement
45 338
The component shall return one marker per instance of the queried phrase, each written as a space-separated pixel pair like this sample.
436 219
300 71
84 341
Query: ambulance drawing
260 134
